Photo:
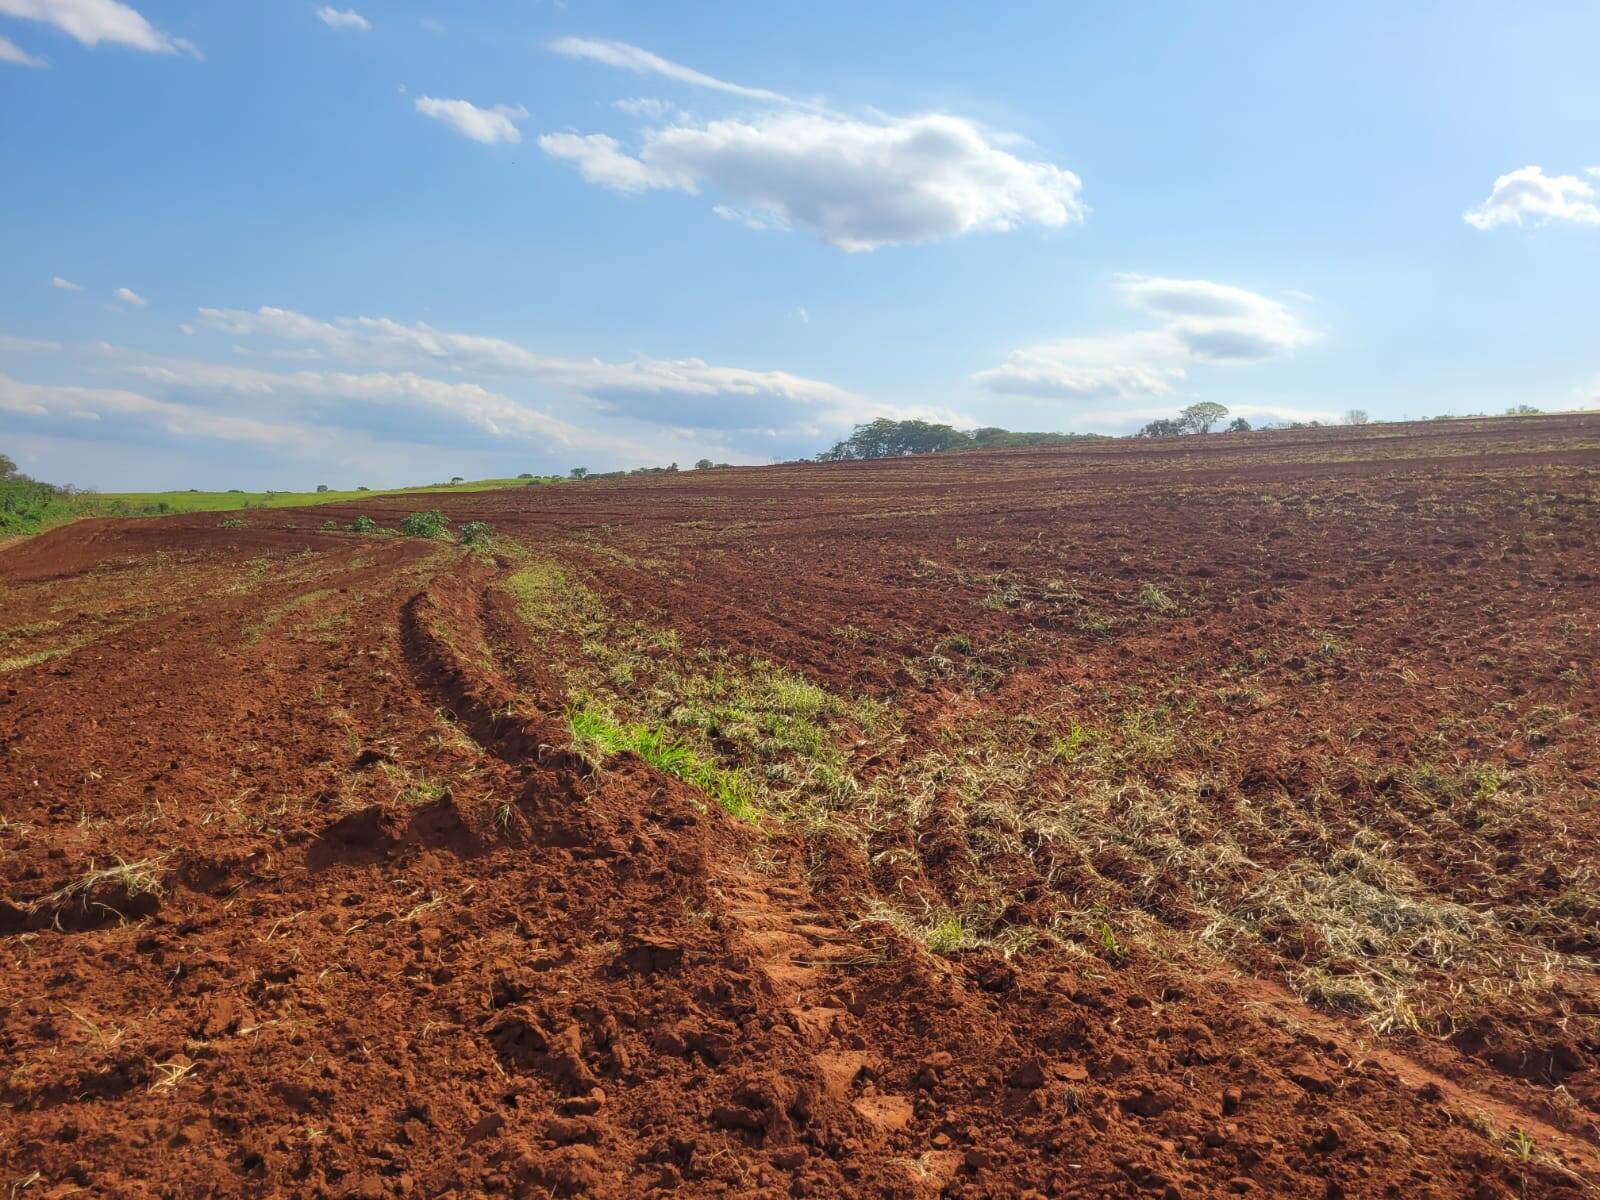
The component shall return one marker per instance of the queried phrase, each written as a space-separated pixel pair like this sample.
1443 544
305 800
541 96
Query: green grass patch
598 736
38 511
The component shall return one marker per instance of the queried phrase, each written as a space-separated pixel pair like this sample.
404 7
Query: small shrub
330 523
231 523
363 524
424 524
475 533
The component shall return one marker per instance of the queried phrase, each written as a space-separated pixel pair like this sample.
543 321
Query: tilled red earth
253 945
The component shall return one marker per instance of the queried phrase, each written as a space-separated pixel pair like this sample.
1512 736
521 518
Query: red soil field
1181 819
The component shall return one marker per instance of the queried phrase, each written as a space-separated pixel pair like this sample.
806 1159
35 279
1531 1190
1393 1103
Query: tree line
885 438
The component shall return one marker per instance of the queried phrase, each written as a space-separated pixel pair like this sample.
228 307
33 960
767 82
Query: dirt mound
962 827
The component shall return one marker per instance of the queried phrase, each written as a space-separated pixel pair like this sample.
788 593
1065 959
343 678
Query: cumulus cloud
488 125
1200 323
129 296
91 22
64 285
347 18
857 184
1529 195
632 58
10 52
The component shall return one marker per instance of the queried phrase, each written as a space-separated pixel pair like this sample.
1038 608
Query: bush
424 524
231 523
475 533
363 524
330 523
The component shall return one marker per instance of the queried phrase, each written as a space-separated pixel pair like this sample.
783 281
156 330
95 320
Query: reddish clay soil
305 891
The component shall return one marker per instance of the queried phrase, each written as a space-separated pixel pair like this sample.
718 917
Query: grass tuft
598 737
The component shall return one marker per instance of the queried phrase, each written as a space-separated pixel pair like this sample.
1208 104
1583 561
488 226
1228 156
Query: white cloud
1201 323
646 107
385 392
100 404
687 392
803 314
22 345
1218 323
129 296
601 161
488 125
12 53
856 183
632 58
1529 194
347 18
1041 372
65 285
91 22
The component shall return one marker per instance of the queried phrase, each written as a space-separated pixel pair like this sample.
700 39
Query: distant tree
455 479
1200 417
1238 425
673 467
363 489
885 438
8 469
1356 416
1516 410
525 475
322 487
704 464
1162 429
578 472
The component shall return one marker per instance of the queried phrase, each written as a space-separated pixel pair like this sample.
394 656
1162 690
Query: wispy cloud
10 52
488 125
65 285
129 296
641 61
684 398
22 345
346 18
91 22
1529 195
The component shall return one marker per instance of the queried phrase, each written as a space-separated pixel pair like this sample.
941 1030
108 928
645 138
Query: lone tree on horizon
1200 417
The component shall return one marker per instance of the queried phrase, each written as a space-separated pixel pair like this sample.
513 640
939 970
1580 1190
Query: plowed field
1176 819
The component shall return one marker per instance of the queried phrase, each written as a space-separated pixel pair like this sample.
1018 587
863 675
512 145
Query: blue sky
279 244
